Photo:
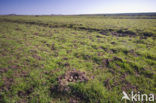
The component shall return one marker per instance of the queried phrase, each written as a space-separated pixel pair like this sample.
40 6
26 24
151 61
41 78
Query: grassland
76 59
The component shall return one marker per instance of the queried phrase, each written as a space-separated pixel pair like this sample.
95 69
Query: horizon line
83 13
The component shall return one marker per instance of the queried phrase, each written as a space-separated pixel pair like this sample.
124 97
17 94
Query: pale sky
76 6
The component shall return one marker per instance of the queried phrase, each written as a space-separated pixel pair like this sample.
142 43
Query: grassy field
76 59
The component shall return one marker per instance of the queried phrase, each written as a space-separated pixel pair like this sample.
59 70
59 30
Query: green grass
36 51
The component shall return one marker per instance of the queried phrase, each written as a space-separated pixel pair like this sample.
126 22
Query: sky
43 7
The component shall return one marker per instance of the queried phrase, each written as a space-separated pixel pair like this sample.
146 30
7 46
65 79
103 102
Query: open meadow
76 59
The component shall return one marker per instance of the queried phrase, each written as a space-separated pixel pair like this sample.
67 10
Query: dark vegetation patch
126 33
117 81
147 34
105 62
7 83
21 73
3 70
131 52
65 64
36 57
51 46
15 67
25 93
110 50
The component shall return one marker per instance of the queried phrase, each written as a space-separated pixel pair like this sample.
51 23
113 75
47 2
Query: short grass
35 51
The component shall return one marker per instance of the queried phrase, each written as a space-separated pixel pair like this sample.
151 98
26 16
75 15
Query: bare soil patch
71 76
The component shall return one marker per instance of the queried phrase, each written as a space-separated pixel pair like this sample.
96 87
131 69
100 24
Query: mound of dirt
73 76
70 77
